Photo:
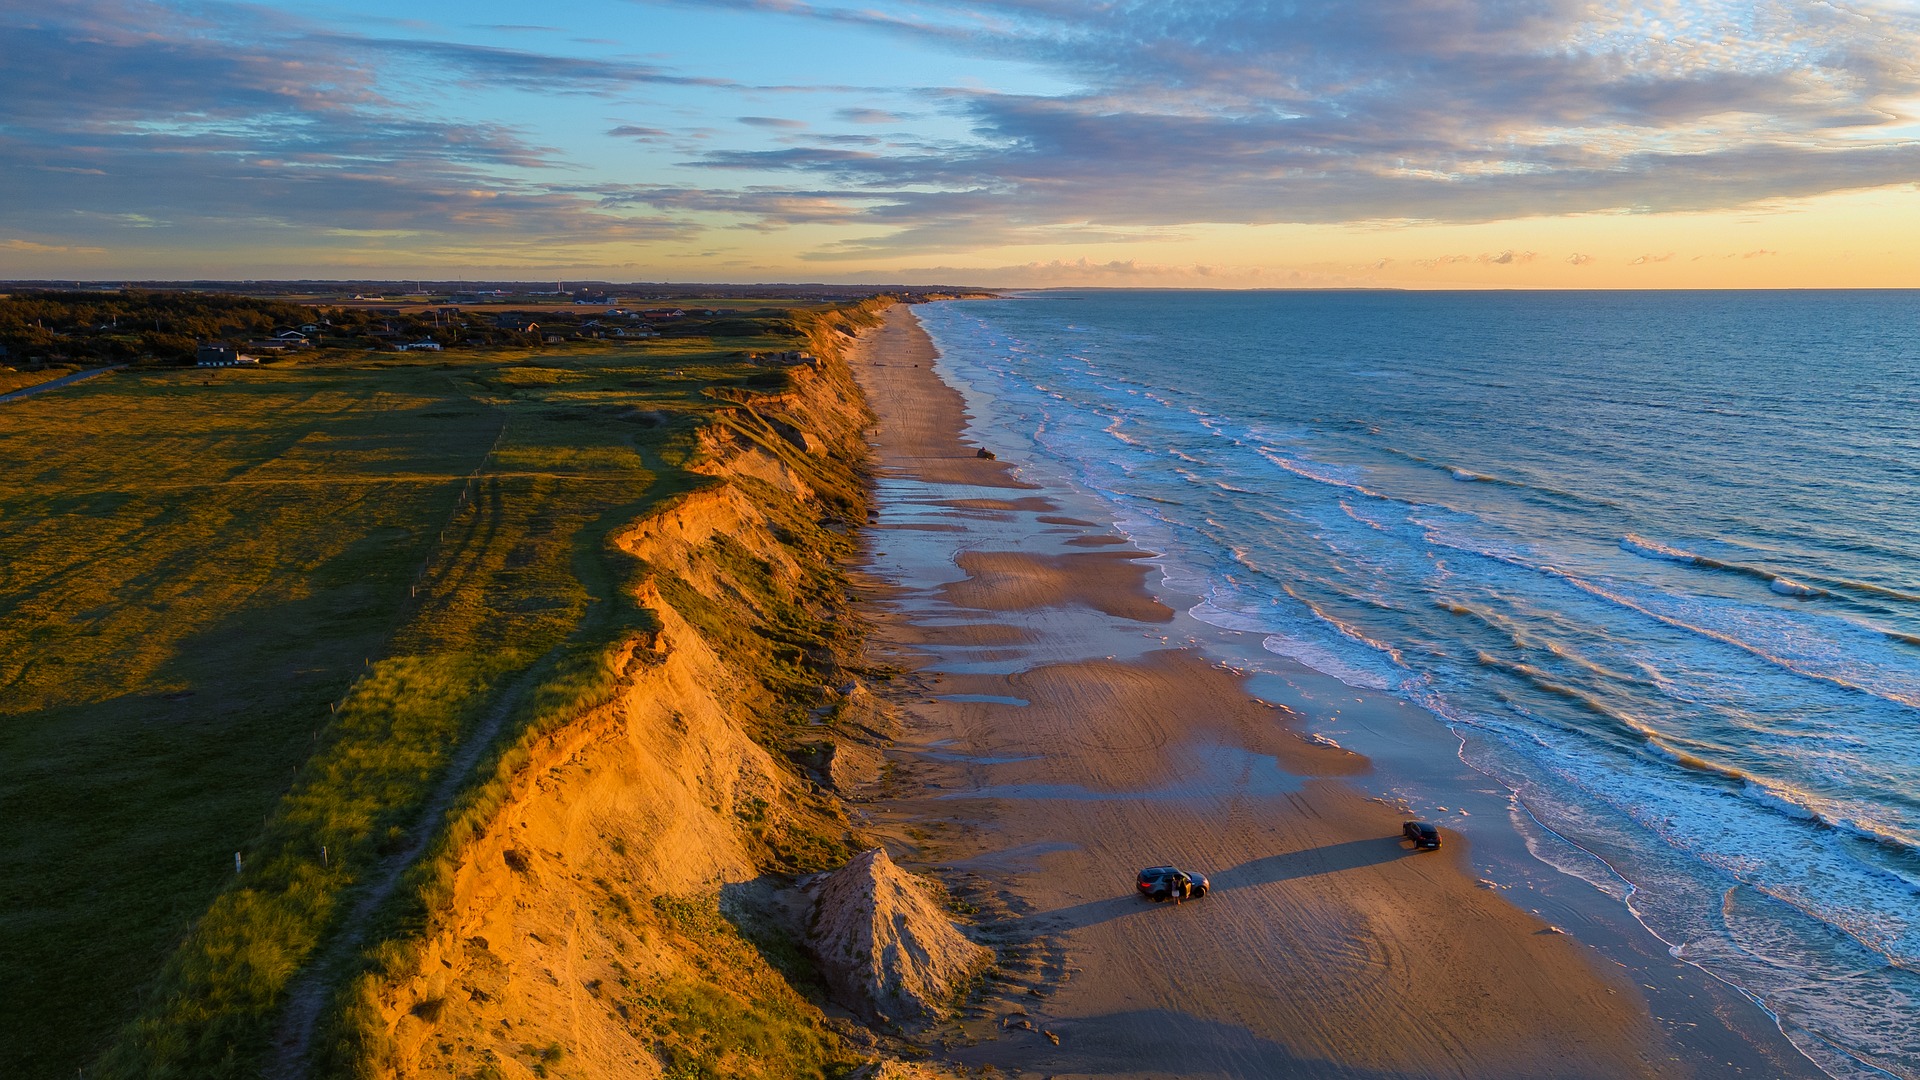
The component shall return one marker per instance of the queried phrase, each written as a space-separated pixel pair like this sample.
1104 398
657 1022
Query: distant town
67 324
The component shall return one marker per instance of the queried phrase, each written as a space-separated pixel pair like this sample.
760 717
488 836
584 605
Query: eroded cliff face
585 936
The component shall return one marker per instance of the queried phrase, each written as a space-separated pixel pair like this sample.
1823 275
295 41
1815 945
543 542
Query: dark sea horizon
1654 556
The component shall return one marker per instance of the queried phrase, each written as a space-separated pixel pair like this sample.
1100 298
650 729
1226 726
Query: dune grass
254 611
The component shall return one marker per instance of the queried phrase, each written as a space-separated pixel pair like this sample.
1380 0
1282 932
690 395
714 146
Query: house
217 355
421 346
633 332
521 323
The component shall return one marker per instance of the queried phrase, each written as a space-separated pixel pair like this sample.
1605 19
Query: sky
1001 143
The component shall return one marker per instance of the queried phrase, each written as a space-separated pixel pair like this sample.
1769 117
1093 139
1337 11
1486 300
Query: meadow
252 613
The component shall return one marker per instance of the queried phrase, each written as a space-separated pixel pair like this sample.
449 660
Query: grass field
253 611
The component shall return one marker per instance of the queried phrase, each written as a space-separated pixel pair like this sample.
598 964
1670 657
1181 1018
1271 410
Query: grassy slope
195 569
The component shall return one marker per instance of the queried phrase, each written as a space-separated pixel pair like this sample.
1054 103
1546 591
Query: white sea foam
1326 661
1790 587
1650 549
1727 737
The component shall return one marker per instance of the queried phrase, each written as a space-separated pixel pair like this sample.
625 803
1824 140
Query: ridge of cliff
616 900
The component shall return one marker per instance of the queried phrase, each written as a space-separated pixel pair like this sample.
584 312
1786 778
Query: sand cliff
584 934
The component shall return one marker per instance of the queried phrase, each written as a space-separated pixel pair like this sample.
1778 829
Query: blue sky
1525 142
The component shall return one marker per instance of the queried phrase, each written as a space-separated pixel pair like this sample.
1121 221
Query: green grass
12 379
730 1016
199 569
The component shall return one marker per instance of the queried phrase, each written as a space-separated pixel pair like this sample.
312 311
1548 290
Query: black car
1158 883
1422 834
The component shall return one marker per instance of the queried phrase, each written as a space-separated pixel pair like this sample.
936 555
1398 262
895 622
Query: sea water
1654 556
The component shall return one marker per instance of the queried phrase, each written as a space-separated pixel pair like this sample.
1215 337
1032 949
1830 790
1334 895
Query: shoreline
1065 726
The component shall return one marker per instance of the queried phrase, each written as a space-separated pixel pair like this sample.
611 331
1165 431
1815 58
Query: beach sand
1060 734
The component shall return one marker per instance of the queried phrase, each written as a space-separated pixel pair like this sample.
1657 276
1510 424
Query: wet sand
1060 734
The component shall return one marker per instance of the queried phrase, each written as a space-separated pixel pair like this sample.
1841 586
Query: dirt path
308 995
55 384
1061 738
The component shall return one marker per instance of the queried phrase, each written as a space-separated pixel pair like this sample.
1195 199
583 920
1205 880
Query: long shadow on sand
1288 866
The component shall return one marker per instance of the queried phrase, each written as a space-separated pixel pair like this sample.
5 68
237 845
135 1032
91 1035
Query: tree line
135 325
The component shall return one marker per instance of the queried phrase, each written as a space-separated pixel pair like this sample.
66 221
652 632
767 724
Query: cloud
1577 259
31 247
1248 112
238 123
1644 260
1113 273
869 116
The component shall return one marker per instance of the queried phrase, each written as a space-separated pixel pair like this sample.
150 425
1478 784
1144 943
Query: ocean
1654 557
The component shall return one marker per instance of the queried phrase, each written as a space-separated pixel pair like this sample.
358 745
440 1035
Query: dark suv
1157 883
1422 834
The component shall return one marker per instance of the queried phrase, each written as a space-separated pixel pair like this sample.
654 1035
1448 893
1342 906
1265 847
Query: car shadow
1310 862
1287 866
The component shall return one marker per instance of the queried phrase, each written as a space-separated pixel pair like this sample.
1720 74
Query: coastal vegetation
279 641
52 328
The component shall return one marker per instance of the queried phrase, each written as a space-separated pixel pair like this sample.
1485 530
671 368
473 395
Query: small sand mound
852 768
863 708
885 947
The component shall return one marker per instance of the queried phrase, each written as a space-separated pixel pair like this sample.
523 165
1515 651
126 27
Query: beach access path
1057 739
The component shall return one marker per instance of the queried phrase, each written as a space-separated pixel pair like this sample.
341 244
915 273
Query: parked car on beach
1421 834
1158 883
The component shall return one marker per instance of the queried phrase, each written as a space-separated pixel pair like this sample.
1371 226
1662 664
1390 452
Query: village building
220 355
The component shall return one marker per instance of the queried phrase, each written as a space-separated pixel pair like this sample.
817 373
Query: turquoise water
1655 555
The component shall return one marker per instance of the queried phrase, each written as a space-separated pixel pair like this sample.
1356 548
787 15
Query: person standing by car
1178 886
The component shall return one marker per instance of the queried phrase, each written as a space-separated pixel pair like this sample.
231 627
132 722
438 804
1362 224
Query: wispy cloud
241 120
32 247
1403 110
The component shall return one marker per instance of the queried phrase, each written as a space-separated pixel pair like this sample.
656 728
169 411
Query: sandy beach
1061 734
